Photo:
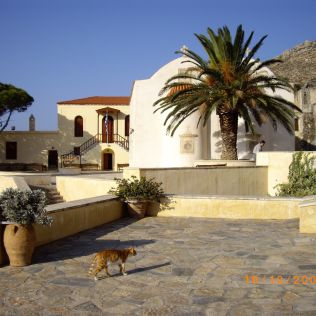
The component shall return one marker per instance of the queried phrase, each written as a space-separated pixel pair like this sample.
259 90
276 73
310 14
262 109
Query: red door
107 131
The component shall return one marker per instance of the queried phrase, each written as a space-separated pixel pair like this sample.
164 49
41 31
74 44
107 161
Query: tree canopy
12 99
229 81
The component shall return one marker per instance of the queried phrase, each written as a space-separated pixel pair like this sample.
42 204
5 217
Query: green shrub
301 178
24 207
135 189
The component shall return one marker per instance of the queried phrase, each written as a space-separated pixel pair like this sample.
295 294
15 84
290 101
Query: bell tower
32 123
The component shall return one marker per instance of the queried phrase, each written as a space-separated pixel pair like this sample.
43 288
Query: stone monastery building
110 132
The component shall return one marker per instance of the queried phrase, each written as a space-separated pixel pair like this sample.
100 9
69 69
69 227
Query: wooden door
107 161
107 133
52 159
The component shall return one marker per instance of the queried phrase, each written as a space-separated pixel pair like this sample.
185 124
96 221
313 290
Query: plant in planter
20 210
138 193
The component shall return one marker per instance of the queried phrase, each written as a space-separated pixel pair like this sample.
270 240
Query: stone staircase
52 195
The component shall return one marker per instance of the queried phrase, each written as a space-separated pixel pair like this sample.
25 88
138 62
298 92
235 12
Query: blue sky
67 49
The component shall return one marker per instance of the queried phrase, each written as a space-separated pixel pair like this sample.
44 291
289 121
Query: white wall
150 146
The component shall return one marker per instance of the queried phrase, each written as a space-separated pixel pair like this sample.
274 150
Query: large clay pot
3 255
19 242
137 209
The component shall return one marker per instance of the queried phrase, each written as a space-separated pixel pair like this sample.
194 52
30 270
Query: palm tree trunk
229 127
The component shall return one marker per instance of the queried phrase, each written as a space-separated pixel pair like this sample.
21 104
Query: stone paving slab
184 266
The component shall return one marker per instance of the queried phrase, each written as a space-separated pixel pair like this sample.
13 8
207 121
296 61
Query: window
11 150
127 125
78 126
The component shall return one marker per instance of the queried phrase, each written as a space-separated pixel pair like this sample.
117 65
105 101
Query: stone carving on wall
187 143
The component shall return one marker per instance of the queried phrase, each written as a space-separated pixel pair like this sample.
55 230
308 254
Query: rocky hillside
299 63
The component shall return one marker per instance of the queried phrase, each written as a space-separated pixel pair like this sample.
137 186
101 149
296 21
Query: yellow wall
91 127
32 147
13 182
73 217
231 207
76 188
208 181
67 114
278 167
308 216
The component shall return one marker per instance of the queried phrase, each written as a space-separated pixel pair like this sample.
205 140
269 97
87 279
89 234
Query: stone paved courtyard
184 266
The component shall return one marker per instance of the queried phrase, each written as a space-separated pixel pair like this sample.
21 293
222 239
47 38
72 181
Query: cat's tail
92 265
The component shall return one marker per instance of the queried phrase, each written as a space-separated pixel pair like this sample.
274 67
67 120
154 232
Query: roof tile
99 100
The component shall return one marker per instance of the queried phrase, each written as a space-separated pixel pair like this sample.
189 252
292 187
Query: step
52 194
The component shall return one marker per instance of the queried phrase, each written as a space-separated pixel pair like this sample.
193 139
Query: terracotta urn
137 209
19 241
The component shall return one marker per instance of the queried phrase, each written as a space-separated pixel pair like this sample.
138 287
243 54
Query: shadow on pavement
86 243
137 270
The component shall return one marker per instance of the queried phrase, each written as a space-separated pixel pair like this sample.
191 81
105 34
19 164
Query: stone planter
19 241
137 209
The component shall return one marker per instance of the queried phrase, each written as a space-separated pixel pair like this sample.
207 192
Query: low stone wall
232 207
220 162
76 188
73 217
70 218
244 181
308 216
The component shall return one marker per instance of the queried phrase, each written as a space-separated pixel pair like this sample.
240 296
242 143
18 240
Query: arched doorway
107 160
107 129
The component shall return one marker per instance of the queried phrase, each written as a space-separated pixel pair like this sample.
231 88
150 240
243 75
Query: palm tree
229 82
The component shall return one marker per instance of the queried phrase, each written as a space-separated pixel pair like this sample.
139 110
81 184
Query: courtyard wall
218 180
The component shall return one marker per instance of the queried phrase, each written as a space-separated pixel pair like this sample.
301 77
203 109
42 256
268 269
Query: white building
150 146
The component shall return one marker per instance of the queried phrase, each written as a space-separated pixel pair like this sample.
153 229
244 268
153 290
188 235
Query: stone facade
299 67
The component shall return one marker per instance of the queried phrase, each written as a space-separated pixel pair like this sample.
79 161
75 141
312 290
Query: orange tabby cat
104 257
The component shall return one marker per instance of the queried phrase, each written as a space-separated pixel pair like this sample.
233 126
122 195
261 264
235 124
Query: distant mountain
299 63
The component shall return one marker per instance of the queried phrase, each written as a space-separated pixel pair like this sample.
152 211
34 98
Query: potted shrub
20 210
137 194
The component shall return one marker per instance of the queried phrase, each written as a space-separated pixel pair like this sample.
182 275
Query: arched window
127 125
78 126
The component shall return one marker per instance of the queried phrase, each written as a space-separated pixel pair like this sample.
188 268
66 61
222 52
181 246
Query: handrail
87 145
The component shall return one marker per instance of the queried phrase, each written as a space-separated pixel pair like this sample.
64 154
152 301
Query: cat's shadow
87 243
137 270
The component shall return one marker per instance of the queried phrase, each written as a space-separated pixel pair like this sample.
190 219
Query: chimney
32 123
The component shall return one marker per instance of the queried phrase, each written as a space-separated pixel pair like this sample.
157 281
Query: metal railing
71 157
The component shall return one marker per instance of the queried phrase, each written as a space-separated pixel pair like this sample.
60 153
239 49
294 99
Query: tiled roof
99 100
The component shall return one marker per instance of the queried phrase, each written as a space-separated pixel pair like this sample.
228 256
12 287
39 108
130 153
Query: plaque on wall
187 143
